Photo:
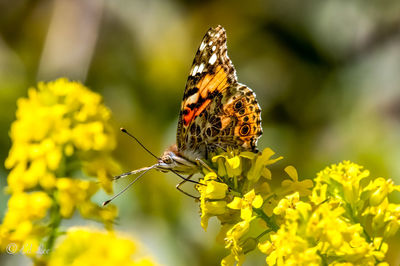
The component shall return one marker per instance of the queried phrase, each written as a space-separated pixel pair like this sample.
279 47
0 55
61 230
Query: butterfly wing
216 110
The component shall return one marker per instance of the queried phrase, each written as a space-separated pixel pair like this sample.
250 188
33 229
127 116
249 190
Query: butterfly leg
219 146
200 161
178 187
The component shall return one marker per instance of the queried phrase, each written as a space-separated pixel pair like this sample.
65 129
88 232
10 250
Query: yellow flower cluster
83 246
348 218
62 128
345 218
239 194
20 224
58 126
75 193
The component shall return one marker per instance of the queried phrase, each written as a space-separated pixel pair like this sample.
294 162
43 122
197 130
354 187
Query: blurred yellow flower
83 246
379 189
73 192
23 212
58 120
62 129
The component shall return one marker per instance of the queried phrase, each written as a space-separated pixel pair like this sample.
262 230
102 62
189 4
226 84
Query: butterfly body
216 110
184 163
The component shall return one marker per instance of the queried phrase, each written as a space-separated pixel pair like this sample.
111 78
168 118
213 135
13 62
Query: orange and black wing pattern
216 110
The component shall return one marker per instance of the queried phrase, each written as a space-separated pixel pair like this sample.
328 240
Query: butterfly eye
167 160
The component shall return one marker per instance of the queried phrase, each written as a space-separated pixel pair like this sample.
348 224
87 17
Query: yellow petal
216 190
257 202
234 162
246 213
235 204
291 171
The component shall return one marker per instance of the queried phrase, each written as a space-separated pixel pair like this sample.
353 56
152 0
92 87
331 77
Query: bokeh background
326 73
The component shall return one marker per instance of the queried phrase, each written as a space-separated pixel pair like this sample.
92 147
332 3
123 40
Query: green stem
323 258
55 221
263 233
355 220
235 182
270 222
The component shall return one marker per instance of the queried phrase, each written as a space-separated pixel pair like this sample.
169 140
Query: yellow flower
72 121
229 163
73 192
287 248
318 194
345 176
106 214
293 186
293 208
82 246
234 243
24 210
102 166
384 216
212 194
344 222
327 225
246 204
286 203
61 128
261 161
379 189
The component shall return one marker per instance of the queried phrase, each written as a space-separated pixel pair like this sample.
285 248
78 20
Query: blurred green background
326 74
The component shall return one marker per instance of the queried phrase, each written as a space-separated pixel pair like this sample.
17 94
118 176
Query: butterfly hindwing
216 110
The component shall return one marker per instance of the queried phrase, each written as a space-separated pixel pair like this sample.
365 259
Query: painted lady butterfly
216 111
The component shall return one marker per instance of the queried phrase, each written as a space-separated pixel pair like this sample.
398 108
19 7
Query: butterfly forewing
216 110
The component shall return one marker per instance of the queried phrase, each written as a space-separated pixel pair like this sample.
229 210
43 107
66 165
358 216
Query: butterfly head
171 160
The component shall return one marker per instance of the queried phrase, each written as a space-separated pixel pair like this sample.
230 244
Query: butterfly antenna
133 172
128 186
132 136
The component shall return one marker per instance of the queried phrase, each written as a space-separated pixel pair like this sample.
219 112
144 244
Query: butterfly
216 112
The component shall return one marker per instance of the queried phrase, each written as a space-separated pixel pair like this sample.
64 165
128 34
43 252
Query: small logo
27 248
12 248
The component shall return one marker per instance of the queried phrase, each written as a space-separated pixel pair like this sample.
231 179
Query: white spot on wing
201 67
213 59
202 46
214 47
210 43
193 98
194 71
217 35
